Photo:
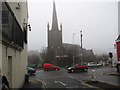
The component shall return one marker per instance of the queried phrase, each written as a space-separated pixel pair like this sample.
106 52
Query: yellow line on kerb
109 83
43 84
83 83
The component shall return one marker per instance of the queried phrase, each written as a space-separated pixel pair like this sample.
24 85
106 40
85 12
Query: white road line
60 83
39 71
70 77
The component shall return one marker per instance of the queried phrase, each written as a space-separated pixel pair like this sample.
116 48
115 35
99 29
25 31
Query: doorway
10 70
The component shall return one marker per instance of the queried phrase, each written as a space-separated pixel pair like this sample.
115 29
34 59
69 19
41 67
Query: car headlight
69 68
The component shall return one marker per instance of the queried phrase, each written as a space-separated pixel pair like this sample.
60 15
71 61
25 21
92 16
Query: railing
11 30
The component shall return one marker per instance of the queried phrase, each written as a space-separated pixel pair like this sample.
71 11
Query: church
60 49
55 35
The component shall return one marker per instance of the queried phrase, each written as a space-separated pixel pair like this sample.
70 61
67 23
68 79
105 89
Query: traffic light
110 55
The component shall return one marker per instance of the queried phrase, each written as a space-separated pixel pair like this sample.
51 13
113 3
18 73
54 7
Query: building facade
118 18
13 42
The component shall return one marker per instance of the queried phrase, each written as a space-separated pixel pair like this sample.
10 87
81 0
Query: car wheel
86 69
56 69
72 70
45 69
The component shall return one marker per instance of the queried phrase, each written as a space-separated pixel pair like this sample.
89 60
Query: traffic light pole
110 56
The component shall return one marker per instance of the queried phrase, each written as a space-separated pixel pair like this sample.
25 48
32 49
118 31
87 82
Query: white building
118 18
13 41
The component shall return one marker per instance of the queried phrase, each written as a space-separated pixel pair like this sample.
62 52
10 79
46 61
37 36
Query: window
11 29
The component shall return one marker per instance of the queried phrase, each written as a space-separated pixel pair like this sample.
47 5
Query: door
10 70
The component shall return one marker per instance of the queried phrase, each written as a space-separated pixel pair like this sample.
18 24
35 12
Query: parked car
78 67
31 70
99 65
48 66
67 66
93 64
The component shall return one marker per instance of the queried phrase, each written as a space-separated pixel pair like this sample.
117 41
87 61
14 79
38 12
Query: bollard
26 78
93 76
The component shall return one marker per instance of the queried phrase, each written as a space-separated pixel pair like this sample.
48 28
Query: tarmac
40 85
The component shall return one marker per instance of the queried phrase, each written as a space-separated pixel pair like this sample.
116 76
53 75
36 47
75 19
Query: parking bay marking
60 83
70 77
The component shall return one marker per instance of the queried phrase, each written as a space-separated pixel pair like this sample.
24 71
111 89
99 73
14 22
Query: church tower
55 35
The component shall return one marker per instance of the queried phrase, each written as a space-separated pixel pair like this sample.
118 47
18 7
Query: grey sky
98 19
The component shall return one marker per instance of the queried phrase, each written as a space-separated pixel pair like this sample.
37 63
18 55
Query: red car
78 67
48 66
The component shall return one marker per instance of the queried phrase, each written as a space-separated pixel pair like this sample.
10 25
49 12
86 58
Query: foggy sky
98 19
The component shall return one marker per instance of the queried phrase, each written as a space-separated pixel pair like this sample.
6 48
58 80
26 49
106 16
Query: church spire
54 18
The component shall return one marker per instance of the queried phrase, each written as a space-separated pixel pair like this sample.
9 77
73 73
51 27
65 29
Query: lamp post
73 50
81 38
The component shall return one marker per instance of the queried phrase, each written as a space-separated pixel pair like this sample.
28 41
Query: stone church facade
55 35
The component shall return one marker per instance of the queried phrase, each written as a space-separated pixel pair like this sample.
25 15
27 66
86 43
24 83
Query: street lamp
73 50
81 38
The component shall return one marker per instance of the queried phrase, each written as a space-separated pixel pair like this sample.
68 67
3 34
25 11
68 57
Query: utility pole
73 50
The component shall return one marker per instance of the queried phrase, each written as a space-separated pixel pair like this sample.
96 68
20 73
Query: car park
48 66
78 67
31 70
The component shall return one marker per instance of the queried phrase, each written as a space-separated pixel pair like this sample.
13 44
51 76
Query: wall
1 57
18 58
119 18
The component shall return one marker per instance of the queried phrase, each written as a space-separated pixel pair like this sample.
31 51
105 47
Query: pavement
113 73
33 84
101 85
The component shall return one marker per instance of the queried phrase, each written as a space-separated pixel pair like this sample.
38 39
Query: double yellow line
98 88
44 86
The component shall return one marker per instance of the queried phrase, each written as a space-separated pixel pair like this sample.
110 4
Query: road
63 79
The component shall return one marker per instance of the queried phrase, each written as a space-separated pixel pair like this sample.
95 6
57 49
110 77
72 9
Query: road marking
60 83
75 78
83 83
109 83
44 86
39 71
70 77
